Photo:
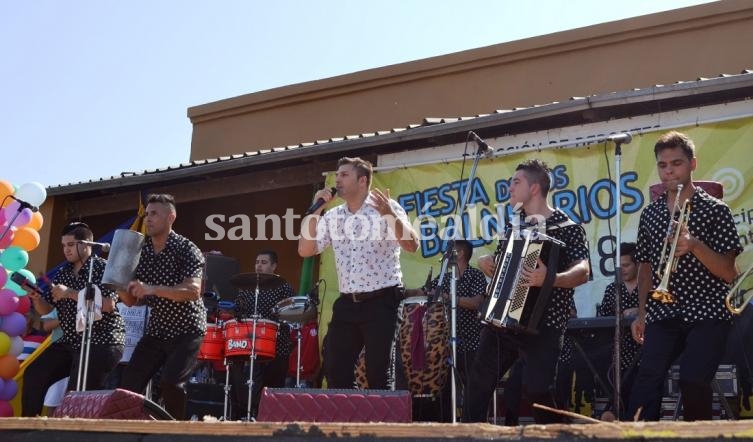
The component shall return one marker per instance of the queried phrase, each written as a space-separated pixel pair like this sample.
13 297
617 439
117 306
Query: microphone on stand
483 148
319 202
25 205
621 138
104 246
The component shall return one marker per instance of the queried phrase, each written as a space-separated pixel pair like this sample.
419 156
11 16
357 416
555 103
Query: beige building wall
684 44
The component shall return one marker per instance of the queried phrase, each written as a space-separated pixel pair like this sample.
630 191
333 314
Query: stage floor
85 430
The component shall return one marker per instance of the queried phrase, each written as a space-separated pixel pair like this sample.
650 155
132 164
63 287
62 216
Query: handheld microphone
105 246
319 202
24 282
25 205
623 138
482 146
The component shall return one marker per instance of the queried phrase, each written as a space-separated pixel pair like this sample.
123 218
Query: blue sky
93 88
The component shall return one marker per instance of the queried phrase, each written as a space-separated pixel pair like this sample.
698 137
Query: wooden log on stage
78 430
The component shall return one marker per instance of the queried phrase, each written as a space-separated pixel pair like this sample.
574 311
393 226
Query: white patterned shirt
367 253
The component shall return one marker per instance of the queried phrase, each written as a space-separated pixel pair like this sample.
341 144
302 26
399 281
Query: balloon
9 391
6 241
3 279
4 345
8 302
9 366
16 346
24 305
37 221
32 192
13 324
14 213
6 189
2 217
14 258
5 409
26 238
15 288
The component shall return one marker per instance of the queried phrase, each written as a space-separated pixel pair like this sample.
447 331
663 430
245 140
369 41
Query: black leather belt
366 296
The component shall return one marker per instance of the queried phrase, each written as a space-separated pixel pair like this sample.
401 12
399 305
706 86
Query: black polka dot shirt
244 306
110 330
628 346
559 226
471 283
178 260
699 294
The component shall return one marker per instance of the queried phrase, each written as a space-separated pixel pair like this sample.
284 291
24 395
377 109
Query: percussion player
366 233
61 358
695 326
168 281
471 288
269 373
498 348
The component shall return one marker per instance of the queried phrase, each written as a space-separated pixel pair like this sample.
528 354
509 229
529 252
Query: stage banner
583 187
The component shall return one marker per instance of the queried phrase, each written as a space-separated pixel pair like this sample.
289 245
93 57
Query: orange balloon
37 221
26 238
6 189
9 366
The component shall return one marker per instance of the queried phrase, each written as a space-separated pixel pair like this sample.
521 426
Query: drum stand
252 358
297 327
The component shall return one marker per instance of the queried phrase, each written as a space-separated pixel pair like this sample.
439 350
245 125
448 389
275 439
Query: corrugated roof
728 81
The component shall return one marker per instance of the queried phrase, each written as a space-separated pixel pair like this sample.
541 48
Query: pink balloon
24 304
9 390
8 302
23 217
8 238
3 277
5 409
13 324
2 217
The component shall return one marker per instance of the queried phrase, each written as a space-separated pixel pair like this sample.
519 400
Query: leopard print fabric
429 380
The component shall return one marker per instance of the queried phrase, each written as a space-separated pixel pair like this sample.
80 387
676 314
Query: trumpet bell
663 296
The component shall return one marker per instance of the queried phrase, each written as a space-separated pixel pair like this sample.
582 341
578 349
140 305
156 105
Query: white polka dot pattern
699 294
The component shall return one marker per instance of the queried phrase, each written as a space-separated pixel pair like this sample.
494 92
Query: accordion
510 304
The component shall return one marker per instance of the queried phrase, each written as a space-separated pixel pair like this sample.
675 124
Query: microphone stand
617 278
449 261
83 359
11 221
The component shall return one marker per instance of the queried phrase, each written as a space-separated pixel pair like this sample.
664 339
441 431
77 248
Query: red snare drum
213 344
238 338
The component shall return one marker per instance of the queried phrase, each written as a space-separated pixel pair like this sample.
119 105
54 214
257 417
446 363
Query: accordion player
510 304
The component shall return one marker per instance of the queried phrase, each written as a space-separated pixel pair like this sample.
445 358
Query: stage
85 430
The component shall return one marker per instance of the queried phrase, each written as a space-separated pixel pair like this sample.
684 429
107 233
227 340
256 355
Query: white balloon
32 192
16 346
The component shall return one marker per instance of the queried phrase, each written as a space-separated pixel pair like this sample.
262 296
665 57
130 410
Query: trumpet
738 298
668 261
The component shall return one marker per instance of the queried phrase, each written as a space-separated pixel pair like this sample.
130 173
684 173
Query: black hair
537 172
271 253
80 231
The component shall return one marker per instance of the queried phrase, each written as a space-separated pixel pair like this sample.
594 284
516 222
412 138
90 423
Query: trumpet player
687 320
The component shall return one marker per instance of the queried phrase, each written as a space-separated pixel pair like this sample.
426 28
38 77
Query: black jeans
369 323
177 358
700 346
59 361
498 350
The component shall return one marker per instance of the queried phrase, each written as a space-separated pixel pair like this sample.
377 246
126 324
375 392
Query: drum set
230 339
